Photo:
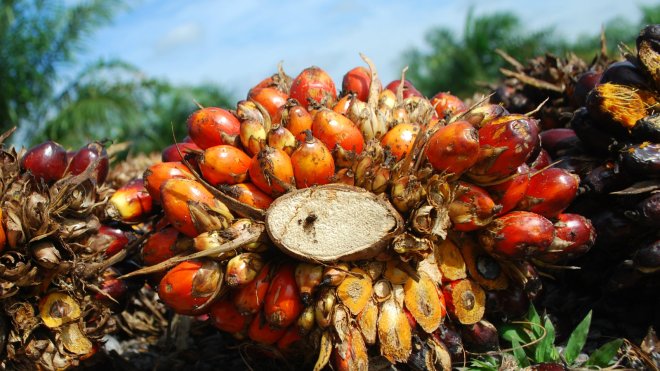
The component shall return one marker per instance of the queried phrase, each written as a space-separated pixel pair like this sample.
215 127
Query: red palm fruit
517 235
159 173
508 194
295 118
212 126
86 156
315 84
250 194
283 304
225 317
191 208
505 143
112 287
261 332
3 235
281 138
400 139
172 153
253 136
344 176
46 161
334 129
224 164
308 277
109 240
472 208
541 161
550 192
312 163
164 244
559 139
291 337
409 89
447 105
453 148
189 285
358 81
269 98
574 236
130 203
243 268
250 298
271 171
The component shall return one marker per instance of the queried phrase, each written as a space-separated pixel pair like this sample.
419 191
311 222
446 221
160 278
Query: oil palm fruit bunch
374 226
54 263
609 138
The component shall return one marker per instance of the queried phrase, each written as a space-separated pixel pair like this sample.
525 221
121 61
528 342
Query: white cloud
180 36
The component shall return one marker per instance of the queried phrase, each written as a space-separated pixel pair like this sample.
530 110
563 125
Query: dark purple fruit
647 211
647 258
647 129
480 337
606 178
92 153
452 341
507 304
595 139
46 161
624 73
560 141
584 84
642 159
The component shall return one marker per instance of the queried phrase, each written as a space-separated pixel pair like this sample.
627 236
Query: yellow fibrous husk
355 290
423 302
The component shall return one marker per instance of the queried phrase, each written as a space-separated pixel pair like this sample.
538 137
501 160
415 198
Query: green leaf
519 353
535 319
604 356
545 350
577 340
513 332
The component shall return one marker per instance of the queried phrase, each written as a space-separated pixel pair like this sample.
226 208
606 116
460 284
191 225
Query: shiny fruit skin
505 143
189 285
642 160
509 193
87 155
281 138
249 299
541 161
400 139
517 235
312 163
46 161
159 173
131 202
207 125
269 98
295 118
250 194
550 192
225 317
448 105
283 304
164 244
171 153
334 129
472 208
453 148
224 164
574 236
271 171
409 89
176 194
113 239
357 81
313 83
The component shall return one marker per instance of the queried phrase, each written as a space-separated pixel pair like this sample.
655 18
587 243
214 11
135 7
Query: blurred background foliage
40 39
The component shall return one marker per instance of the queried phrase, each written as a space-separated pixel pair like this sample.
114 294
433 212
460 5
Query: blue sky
238 43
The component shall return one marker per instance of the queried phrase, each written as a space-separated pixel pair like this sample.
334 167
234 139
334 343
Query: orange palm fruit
190 284
271 171
250 298
224 316
281 138
224 164
313 85
191 208
130 203
400 139
271 99
159 173
454 148
312 163
295 118
283 305
343 104
334 129
261 332
243 268
448 105
472 207
308 277
164 244
250 194
209 126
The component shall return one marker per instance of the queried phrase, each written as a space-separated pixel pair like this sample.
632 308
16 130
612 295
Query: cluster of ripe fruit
468 202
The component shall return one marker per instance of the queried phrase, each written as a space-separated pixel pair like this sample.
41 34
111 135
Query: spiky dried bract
332 222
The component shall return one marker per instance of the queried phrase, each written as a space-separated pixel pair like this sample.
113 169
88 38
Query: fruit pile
602 124
53 258
377 226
